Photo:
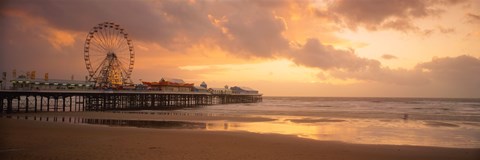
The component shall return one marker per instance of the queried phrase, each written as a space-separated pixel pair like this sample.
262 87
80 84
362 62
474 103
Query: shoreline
27 139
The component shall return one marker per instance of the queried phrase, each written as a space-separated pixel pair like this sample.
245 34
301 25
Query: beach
25 138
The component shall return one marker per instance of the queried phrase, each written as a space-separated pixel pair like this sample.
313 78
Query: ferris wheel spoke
97 51
104 34
116 41
115 37
99 36
122 52
99 43
123 47
98 56
112 37
109 37
99 66
104 39
123 69
121 39
96 60
99 48
124 62
124 59
123 55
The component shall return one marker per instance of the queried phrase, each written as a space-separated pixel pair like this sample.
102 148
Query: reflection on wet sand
364 131
148 124
440 124
118 122
397 132
310 120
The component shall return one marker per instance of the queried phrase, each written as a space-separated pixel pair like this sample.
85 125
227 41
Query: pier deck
101 100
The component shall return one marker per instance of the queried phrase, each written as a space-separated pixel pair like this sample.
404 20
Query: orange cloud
59 38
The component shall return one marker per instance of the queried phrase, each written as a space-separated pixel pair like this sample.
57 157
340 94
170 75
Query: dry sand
27 139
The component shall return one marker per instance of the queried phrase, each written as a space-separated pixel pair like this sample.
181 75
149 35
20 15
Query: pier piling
96 100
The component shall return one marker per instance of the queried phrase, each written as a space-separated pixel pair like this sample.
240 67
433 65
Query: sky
348 48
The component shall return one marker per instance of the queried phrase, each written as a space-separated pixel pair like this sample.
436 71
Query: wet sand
310 120
26 139
132 115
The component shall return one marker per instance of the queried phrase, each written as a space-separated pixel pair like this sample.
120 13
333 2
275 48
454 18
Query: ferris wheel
109 55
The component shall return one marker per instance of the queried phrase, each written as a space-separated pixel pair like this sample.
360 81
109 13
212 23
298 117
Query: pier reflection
116 122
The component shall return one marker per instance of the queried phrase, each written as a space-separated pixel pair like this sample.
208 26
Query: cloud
174 24
473 18
461 71
446 30
380 14
386 75
345 64
27 47
315 54
251 30
241 27
458 71
389 56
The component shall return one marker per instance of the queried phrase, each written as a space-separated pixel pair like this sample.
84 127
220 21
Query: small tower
226 86
204 85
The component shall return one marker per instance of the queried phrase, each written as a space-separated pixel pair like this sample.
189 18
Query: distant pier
18 101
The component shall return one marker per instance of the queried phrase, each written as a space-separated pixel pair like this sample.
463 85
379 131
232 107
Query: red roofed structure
170 85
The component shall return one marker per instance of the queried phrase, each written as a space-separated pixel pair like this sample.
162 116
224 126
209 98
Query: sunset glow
363 48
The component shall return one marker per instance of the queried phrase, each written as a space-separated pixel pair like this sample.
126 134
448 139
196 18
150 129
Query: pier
17 101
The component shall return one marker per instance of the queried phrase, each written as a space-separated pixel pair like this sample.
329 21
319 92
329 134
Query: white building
199 89
224 90
23 83
243 90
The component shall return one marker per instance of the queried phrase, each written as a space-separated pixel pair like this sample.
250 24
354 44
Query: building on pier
243 90
224 90
204 85
25 83
200 89
170 85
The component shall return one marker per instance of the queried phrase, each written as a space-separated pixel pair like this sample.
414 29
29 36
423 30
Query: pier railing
101 100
